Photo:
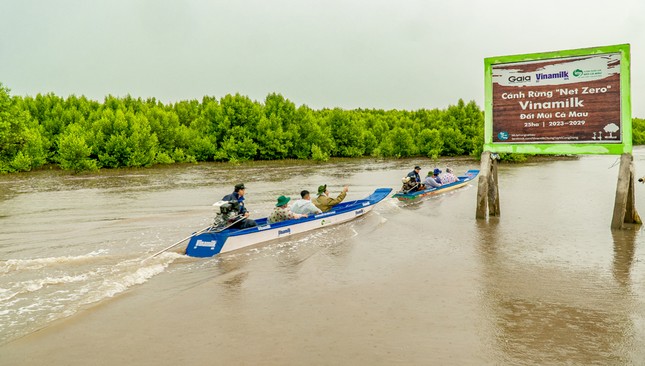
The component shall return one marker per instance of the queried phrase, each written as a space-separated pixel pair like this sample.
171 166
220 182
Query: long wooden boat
462 181
208 244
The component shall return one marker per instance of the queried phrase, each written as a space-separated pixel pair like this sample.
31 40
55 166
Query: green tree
397 143
73 151
347 134
123 139
22 146
273 143
638 131
81 134
430 143
454 142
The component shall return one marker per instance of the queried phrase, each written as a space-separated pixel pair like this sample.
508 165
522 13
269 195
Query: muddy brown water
546 283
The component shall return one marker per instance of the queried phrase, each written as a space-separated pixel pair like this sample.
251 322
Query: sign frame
625 146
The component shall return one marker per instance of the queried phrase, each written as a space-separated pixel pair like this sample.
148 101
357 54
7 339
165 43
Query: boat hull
210 244
463 180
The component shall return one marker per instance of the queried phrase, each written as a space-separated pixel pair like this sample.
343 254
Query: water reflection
624 247
546 313
229 273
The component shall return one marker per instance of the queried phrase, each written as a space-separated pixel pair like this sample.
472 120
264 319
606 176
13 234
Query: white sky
326 53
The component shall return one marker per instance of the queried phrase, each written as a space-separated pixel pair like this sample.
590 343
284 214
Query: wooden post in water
624 207
487 187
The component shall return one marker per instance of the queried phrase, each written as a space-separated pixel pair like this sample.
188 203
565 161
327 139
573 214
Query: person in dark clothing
435 175
414 183
415 174
238 195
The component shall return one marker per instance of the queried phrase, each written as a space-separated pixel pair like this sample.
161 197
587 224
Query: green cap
282 200
322 189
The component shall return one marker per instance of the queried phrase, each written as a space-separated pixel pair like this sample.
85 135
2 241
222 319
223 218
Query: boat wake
300 247
34 292
38 263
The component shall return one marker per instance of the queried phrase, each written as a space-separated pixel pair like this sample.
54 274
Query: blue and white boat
462 180
208 244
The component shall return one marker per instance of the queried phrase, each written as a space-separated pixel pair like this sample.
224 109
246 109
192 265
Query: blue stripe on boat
210 244
462 180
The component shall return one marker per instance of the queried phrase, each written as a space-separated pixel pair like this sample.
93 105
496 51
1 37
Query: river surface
410 284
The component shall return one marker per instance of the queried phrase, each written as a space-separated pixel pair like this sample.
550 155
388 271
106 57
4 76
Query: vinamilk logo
577 73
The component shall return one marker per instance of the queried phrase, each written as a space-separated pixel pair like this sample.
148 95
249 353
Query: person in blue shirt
430 181
435 175
238 195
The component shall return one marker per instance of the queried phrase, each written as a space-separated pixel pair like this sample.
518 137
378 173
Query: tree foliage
81 134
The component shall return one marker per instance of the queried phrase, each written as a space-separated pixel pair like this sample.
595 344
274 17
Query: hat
437 171
405 180
322 189
417 167
282 200
239 186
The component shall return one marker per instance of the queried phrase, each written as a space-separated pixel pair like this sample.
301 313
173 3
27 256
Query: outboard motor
227 213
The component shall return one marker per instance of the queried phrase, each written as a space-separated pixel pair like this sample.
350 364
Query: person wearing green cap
430 181
324 202
281 212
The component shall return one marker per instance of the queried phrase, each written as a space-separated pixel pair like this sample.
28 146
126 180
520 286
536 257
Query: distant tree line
79 134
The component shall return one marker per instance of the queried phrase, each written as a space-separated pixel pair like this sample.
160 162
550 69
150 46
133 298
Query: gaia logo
577 73
520 79
503 135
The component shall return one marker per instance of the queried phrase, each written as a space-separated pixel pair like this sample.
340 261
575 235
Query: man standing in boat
238 195
324 202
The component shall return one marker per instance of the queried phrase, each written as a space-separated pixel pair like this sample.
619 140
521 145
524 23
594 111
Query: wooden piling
624 204
493 189
487 187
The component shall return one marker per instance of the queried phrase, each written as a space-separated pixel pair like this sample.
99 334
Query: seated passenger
431 182
282 211
435 175
304 205
448 177
324 202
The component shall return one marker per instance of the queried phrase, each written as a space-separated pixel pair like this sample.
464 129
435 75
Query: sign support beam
488 187
624 207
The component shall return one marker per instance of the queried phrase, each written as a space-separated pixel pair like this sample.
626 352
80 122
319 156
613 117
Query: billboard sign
564 102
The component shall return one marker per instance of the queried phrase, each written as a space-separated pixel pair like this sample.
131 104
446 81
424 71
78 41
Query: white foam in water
37 284
29 304
124 279
38 263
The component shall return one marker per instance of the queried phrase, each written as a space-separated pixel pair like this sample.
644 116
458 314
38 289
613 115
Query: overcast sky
327 53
